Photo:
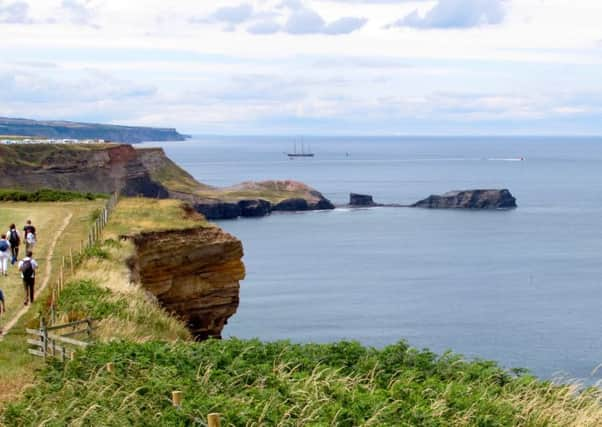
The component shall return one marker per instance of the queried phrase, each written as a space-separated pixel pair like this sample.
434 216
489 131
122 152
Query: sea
522 287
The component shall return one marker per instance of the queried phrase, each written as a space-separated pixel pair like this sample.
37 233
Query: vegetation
135 215
255 383
47 195
34 155
16 366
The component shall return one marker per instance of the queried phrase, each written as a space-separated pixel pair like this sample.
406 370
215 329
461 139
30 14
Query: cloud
456 14
79 11
289 16
264 27
235 14
16 12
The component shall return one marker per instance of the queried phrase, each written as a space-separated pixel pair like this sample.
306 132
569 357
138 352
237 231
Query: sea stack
356 200
469 199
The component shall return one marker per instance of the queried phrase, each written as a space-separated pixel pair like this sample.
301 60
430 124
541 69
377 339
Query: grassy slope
15 364
33 155
255 383
177 179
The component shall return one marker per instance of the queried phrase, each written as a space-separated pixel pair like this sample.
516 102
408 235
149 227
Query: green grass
255 383
47 195
137 214
35 155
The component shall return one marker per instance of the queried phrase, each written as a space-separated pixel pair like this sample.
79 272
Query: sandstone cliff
193 273
102 168
470 199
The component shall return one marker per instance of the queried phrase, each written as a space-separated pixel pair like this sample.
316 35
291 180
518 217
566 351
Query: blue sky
331 67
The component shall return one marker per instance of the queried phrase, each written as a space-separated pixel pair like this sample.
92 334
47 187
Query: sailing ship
302 153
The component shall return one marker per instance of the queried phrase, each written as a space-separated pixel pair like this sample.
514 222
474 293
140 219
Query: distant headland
83 131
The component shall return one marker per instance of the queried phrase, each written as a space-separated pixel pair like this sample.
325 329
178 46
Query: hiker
4 255
30 236
15 241
28 267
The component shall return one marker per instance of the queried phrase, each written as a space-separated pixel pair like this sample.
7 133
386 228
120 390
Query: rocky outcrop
360 200
470 199
295 204
193 273
215 209
254 208
86 168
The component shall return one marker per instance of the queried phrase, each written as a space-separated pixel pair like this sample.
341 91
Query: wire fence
69 262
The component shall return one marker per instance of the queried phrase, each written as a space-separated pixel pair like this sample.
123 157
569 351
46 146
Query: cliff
194 273
102 168
191 267
469 199
105 168
249 199
74 130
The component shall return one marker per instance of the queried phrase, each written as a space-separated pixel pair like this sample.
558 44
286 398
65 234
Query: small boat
303 153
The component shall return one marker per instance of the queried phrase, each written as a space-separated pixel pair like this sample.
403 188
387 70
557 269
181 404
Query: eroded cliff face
194 273
98 169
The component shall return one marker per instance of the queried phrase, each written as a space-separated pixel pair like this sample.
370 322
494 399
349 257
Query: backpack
14 238
30 238
3 245
27 269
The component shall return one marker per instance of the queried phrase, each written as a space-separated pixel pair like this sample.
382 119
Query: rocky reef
193 273
469 199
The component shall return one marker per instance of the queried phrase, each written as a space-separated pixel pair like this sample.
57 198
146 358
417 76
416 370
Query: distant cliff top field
74 130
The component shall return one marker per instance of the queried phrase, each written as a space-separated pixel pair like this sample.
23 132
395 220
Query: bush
47 195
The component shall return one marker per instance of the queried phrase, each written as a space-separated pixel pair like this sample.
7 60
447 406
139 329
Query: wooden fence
69 262
58 340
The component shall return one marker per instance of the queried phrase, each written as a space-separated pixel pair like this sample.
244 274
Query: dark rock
218 210
360 200
254 208
297 204
470 199
322 204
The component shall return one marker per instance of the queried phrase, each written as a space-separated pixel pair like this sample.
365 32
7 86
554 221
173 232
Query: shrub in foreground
46 195
256 383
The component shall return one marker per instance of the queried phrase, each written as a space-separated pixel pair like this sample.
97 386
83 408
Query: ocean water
523 287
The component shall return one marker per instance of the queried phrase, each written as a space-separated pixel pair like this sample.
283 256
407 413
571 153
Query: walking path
47 274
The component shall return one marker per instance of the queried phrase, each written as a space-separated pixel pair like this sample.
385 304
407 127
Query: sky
311 67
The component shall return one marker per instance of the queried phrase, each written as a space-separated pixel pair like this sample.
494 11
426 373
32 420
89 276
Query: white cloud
457 14
14 12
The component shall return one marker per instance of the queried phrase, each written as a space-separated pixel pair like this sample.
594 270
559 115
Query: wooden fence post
213 420
71 261
176 398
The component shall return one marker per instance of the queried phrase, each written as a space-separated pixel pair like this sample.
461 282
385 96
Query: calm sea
523 287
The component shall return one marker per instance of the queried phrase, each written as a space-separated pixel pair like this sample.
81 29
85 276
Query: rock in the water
361 200
470 199
217 210
254 208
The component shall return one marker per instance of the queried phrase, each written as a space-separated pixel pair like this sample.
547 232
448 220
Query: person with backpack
30 236
28 267
15 241
4 255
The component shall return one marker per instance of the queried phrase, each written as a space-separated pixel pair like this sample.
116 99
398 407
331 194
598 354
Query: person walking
30 236
4 255
28 267
14 238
